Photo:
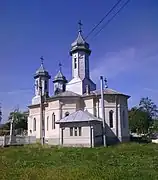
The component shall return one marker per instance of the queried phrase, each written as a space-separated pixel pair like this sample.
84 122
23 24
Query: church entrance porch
80 129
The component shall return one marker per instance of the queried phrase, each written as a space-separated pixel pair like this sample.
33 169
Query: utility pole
103 110
41 113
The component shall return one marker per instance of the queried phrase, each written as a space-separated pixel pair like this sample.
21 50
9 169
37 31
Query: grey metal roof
67 93
79 41
60 77
41 72
79 116
80 44
107 91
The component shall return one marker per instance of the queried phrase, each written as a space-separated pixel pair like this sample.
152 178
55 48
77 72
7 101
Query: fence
17 140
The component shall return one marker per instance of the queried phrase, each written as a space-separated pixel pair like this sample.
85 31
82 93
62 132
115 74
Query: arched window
34 124
46 85
111 119
37 84
67 114
75 63
47 123
123 119
53 121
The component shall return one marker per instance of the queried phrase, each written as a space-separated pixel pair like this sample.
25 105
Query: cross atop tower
60 66
42 59
80 25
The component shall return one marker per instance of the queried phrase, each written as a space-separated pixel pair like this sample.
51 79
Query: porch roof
79 116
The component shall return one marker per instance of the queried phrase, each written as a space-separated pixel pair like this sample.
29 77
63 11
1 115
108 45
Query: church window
123 118
67 114
80 131
53 121
34 124
37 84
71 131
75 131
47 123
46 85
75 63
111 119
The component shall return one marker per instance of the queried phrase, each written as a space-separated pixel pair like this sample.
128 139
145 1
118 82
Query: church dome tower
80 52
41 78
59 82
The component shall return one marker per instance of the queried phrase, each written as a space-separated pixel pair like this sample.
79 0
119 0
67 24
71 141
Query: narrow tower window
111 119
34 124
37 84
75 63
53 121
46 85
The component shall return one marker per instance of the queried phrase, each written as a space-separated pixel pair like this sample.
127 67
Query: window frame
71 131
53 120
79 131
75 131
75 63
111 118
47 123
34 124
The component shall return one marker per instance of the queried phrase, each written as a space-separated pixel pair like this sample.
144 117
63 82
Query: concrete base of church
124 139
53 141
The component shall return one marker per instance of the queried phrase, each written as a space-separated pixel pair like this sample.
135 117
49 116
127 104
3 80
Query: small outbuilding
81 129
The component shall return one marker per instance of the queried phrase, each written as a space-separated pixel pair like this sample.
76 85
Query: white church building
72 116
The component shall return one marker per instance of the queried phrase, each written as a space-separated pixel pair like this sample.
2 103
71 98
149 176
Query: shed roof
79 116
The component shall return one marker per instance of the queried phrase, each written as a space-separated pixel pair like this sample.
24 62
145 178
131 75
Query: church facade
72 116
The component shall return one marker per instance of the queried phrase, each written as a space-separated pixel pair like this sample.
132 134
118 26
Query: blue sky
126 51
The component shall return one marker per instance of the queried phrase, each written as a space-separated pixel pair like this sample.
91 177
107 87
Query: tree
148 106
20 119
138 121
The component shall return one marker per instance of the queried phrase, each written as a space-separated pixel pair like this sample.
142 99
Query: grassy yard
125 161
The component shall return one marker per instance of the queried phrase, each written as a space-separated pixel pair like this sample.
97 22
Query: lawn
124 161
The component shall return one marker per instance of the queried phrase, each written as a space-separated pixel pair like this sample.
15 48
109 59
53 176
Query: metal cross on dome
42 59
80 26
60 65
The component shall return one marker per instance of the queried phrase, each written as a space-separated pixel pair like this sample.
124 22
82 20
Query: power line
111 19
103 18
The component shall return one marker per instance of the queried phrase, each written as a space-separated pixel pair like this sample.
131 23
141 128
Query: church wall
34 114
75 85
98 137
89 105
124 126
109 105
91 85
53 107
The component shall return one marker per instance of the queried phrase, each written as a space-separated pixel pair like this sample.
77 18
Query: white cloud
127 60
151 90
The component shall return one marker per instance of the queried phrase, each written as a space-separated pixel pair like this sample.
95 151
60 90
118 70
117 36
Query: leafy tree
154 127
148 106
138 121
20 119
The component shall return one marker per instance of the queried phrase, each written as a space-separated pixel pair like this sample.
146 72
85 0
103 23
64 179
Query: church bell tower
80 53
41 78
59 82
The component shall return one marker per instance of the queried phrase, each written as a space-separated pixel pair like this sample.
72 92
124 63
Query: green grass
125 161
